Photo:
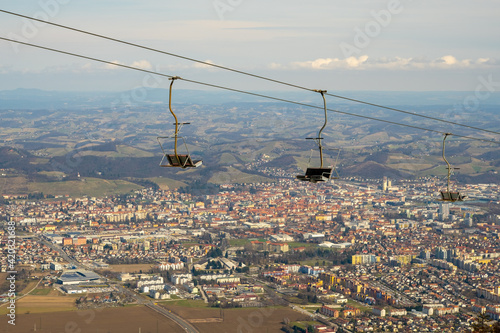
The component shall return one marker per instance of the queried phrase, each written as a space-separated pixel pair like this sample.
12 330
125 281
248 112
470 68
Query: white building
55 266
127 277
379 312
181 278
152 281
151 287
171 265
159 294
281 238
396 312
171 289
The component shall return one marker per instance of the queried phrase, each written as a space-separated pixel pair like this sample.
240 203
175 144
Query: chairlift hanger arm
449 196
322 92
320 174
319 138
447 163
173 114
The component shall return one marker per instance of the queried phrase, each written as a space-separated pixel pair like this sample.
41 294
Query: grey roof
78 275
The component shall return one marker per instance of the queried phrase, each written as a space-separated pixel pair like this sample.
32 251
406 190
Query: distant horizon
382 45
254 90
463 101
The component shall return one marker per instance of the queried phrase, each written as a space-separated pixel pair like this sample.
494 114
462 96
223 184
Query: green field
363 308
37 291
167 183
187 303
304 324
312 309
294 245
239 242
233 175
90 186
121 151
227 158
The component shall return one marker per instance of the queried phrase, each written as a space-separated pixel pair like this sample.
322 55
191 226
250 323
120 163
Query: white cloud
327 63
364 62
449 60
142 64
110 66
203 66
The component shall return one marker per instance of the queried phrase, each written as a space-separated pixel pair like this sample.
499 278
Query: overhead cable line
238 90
247 73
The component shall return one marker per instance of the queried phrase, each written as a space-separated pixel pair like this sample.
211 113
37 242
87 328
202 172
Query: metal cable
239 91
247 73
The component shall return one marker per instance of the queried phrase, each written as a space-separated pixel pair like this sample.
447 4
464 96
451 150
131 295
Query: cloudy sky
337 45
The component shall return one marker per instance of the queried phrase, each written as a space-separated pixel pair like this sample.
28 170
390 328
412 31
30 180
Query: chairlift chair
447 195
176 160
321 174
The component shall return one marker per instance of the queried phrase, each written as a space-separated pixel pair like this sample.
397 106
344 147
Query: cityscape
352 255
232 166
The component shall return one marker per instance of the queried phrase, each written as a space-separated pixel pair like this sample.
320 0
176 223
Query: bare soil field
40 304
118 320
13 185
4 284
251 320
133 268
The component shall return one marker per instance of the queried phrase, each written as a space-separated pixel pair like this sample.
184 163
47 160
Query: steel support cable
247 73
240 91
155 50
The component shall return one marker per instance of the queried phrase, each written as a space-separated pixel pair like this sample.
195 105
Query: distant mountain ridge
42 99
238 140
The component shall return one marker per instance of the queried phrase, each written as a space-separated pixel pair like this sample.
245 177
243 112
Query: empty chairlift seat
448 195
183 161
176 160
451 196
315 175
320 174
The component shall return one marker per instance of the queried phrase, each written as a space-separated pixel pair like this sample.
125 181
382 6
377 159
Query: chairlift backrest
451 196
182 161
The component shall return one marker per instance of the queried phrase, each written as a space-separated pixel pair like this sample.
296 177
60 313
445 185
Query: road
141 300
18 298
204 295
59 250
181 322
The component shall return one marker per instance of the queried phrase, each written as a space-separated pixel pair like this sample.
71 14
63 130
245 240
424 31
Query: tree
480 324
496 327
311 329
